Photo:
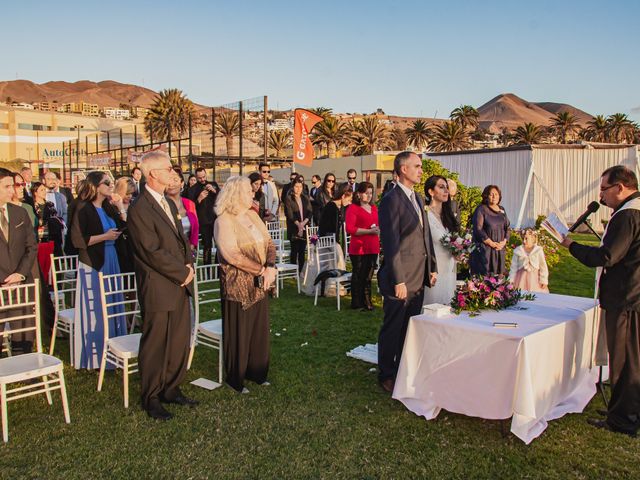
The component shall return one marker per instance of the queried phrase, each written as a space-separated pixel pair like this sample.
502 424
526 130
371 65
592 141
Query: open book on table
556 227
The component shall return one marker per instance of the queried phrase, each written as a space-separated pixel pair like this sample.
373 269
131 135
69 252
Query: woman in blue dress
490 234
96 228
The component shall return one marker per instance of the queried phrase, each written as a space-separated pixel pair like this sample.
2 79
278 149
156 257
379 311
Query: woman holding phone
96 228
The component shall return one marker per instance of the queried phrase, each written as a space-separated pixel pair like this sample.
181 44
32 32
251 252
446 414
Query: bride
441 222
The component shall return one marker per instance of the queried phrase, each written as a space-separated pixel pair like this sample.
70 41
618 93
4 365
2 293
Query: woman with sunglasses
324 195
18 197
96 232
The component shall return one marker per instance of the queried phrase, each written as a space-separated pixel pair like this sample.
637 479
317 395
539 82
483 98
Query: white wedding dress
445 286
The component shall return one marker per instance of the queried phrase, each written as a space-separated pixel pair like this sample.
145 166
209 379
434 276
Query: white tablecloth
534 373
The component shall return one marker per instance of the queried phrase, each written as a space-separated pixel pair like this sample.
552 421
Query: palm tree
597 130
168 117
448 137
418 134
331 133
620 128
505 138
399 139
368 134
279 140
528 134
465 115
565 124
324 112
228 125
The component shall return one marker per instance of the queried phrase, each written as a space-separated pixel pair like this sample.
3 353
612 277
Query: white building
117 113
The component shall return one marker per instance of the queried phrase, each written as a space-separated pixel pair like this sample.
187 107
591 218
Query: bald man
164 272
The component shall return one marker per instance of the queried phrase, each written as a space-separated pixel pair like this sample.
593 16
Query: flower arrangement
313 239
487 292
460 245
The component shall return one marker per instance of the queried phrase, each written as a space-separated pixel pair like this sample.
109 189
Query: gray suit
409 258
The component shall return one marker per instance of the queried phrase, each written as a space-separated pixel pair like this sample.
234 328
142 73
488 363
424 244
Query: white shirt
409 192
159 197
271 197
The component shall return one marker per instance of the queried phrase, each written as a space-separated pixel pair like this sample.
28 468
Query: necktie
4 223
167 210
416 206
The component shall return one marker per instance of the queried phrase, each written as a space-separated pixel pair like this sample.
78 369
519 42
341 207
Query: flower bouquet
493 292
460 245
313 239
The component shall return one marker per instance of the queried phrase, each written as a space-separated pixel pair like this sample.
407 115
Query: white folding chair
311 231
118 293
208 332
346 240
22 303
64 276
327 259
284 270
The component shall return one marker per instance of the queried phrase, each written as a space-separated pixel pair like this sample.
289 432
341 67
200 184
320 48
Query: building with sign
36 137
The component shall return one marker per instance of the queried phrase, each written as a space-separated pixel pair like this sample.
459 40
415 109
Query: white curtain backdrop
565 178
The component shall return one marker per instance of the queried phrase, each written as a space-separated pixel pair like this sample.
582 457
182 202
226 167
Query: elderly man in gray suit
409 263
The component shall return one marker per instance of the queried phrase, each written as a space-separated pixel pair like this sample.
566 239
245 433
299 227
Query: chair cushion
29 365
212 328
66 316
125 346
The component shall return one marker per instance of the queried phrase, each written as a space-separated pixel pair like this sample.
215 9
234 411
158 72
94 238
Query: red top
357 217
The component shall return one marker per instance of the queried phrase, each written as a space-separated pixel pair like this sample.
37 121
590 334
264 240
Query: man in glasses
352 175
618 262
270 193
55 197
164 272
285 189
204 195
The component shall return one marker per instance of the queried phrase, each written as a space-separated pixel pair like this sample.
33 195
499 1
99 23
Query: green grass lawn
324 416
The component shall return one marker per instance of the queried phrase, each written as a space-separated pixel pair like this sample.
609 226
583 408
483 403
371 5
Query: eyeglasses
607 188
106 182
19 185
331 181
165 169
351 178
265 171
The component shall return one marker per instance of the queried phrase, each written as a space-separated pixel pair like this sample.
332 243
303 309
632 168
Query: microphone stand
600 383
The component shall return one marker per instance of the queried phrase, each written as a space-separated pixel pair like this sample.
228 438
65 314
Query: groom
409 263
164 273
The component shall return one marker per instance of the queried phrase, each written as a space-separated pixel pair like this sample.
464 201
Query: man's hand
13 279
202 196
566 242
190 276
433 279
401 291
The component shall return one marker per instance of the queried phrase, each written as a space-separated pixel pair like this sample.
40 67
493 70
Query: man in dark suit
18 251
287 186
27 176
409 263
352 175
164 273
204 194
136 174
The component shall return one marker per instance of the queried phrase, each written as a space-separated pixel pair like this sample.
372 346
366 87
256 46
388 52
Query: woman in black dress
332 219
490 234
323 196
297 209
49 225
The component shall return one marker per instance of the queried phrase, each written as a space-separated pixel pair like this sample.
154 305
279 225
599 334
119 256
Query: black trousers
298 248
206 230
164 351
363 267
623 342
245 340
394 328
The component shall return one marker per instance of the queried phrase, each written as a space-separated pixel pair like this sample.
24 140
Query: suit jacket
20 253
67 194
292 213
161 253
61 206
409 256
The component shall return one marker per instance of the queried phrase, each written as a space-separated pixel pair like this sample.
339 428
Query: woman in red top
362 224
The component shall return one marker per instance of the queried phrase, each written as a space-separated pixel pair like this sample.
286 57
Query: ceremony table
533 373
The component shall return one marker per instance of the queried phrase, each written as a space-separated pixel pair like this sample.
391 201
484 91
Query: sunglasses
106 182
265 171
331 181
352 178
19 184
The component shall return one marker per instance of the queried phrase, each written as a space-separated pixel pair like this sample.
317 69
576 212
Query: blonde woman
126 188
247 271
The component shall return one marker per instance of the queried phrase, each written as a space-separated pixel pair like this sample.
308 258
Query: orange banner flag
302 147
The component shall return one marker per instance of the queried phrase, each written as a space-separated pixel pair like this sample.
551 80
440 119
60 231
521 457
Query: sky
415 58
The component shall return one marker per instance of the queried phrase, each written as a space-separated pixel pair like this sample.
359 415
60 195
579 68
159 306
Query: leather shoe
156 411
602 424
602 411
180 400
388 384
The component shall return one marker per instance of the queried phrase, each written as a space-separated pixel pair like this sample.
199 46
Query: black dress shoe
180 400
388 385
602 411
156 411
602 424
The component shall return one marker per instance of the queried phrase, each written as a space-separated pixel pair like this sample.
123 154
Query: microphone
593 207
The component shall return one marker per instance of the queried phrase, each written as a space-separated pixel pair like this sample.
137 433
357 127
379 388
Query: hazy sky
406 57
